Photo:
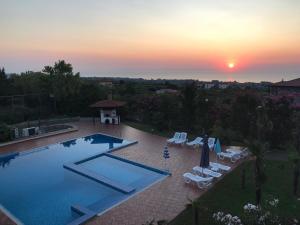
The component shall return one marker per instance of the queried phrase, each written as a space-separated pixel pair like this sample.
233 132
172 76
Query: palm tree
258 146
295 154
258 149
195 205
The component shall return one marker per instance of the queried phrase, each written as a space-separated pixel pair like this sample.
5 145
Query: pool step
85 214
99 178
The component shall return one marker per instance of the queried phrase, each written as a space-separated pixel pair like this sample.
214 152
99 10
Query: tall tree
2 74
189 106
258 146
280 113
3 82
243 112
64 84
295 154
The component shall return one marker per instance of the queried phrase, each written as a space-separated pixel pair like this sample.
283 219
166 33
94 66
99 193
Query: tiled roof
290 83
107 104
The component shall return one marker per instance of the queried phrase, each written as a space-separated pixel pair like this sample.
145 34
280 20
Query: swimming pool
71 181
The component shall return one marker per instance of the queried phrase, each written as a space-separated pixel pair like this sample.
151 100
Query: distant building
209 85
290 89
166 91
224 85
215 84
106 83
285 87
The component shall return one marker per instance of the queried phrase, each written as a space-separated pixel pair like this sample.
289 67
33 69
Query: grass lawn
227 195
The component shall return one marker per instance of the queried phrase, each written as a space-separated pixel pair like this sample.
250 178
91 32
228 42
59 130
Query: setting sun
231 65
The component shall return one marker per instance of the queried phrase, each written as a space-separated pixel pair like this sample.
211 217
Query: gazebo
108 111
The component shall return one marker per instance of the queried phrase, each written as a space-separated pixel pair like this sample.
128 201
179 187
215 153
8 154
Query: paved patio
163 200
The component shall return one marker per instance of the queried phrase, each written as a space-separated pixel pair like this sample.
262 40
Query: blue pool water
37 190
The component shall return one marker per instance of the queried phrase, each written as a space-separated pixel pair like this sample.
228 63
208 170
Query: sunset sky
199 39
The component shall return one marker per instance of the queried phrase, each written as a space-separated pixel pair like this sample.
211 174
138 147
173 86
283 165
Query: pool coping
10 215
68 130
41 148
75 168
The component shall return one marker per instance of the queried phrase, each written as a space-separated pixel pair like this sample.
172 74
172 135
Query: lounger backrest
199 139
183 136
177 135
211 140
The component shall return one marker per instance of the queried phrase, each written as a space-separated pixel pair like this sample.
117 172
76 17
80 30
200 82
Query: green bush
227 136
4 132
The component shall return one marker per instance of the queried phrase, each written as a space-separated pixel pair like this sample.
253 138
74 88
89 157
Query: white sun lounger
201 170
201 182
195 142
220 166
242 153
174 138
182 139
229 155
210 142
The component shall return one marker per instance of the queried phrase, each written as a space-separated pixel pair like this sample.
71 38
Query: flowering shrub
227 219
253 215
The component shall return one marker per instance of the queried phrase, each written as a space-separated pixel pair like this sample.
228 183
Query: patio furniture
211 142
243 152
229 155
195 142
201 182
174 138
182 139
219 166
200 170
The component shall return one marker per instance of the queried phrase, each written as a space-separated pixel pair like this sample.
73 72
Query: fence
19 108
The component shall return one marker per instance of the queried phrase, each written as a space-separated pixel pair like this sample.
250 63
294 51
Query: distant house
166 91
285 87
215 84
209 85
290 89
106 83
224 85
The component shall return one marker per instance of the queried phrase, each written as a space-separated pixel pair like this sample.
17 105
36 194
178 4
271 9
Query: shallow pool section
37 188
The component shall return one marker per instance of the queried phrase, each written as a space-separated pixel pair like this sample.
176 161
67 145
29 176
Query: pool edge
10 215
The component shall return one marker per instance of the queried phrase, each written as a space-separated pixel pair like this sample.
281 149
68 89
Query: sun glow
231 65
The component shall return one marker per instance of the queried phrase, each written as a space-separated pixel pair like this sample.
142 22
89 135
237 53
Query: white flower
250 207
274 202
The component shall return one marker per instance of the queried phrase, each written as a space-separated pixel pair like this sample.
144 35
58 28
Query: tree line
235 116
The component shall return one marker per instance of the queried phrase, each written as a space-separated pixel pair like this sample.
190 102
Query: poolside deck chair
174 138
195 142
242 153
208 172
201 182
220 166
211 142
182 139
229 155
